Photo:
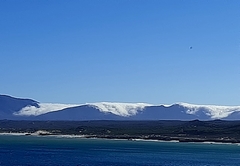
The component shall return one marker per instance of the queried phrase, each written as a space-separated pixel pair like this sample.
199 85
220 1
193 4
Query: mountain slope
27 109
173 112
84 112
9 105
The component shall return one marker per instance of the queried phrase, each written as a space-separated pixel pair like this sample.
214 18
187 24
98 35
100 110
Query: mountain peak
11 107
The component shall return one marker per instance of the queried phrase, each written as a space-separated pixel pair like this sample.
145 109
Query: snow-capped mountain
15 108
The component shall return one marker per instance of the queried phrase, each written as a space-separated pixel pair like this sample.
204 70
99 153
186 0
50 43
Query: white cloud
43 108
214 111
122 109
129 109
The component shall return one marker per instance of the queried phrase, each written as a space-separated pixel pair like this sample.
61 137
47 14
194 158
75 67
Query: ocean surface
39 150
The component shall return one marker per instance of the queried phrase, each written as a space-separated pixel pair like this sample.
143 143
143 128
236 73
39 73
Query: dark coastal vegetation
183 131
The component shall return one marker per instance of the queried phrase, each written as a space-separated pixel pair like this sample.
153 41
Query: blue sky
121 51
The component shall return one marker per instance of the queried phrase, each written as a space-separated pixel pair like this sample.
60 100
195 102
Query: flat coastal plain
166 130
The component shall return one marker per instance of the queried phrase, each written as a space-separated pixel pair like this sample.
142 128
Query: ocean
61 151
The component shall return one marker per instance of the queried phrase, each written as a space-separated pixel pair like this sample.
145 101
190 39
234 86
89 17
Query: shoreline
183 140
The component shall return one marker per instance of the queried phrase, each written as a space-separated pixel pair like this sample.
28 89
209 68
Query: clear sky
153 51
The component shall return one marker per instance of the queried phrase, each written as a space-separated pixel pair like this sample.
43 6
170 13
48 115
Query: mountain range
12 108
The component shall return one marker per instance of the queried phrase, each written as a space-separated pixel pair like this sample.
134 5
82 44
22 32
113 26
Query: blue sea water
33 150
